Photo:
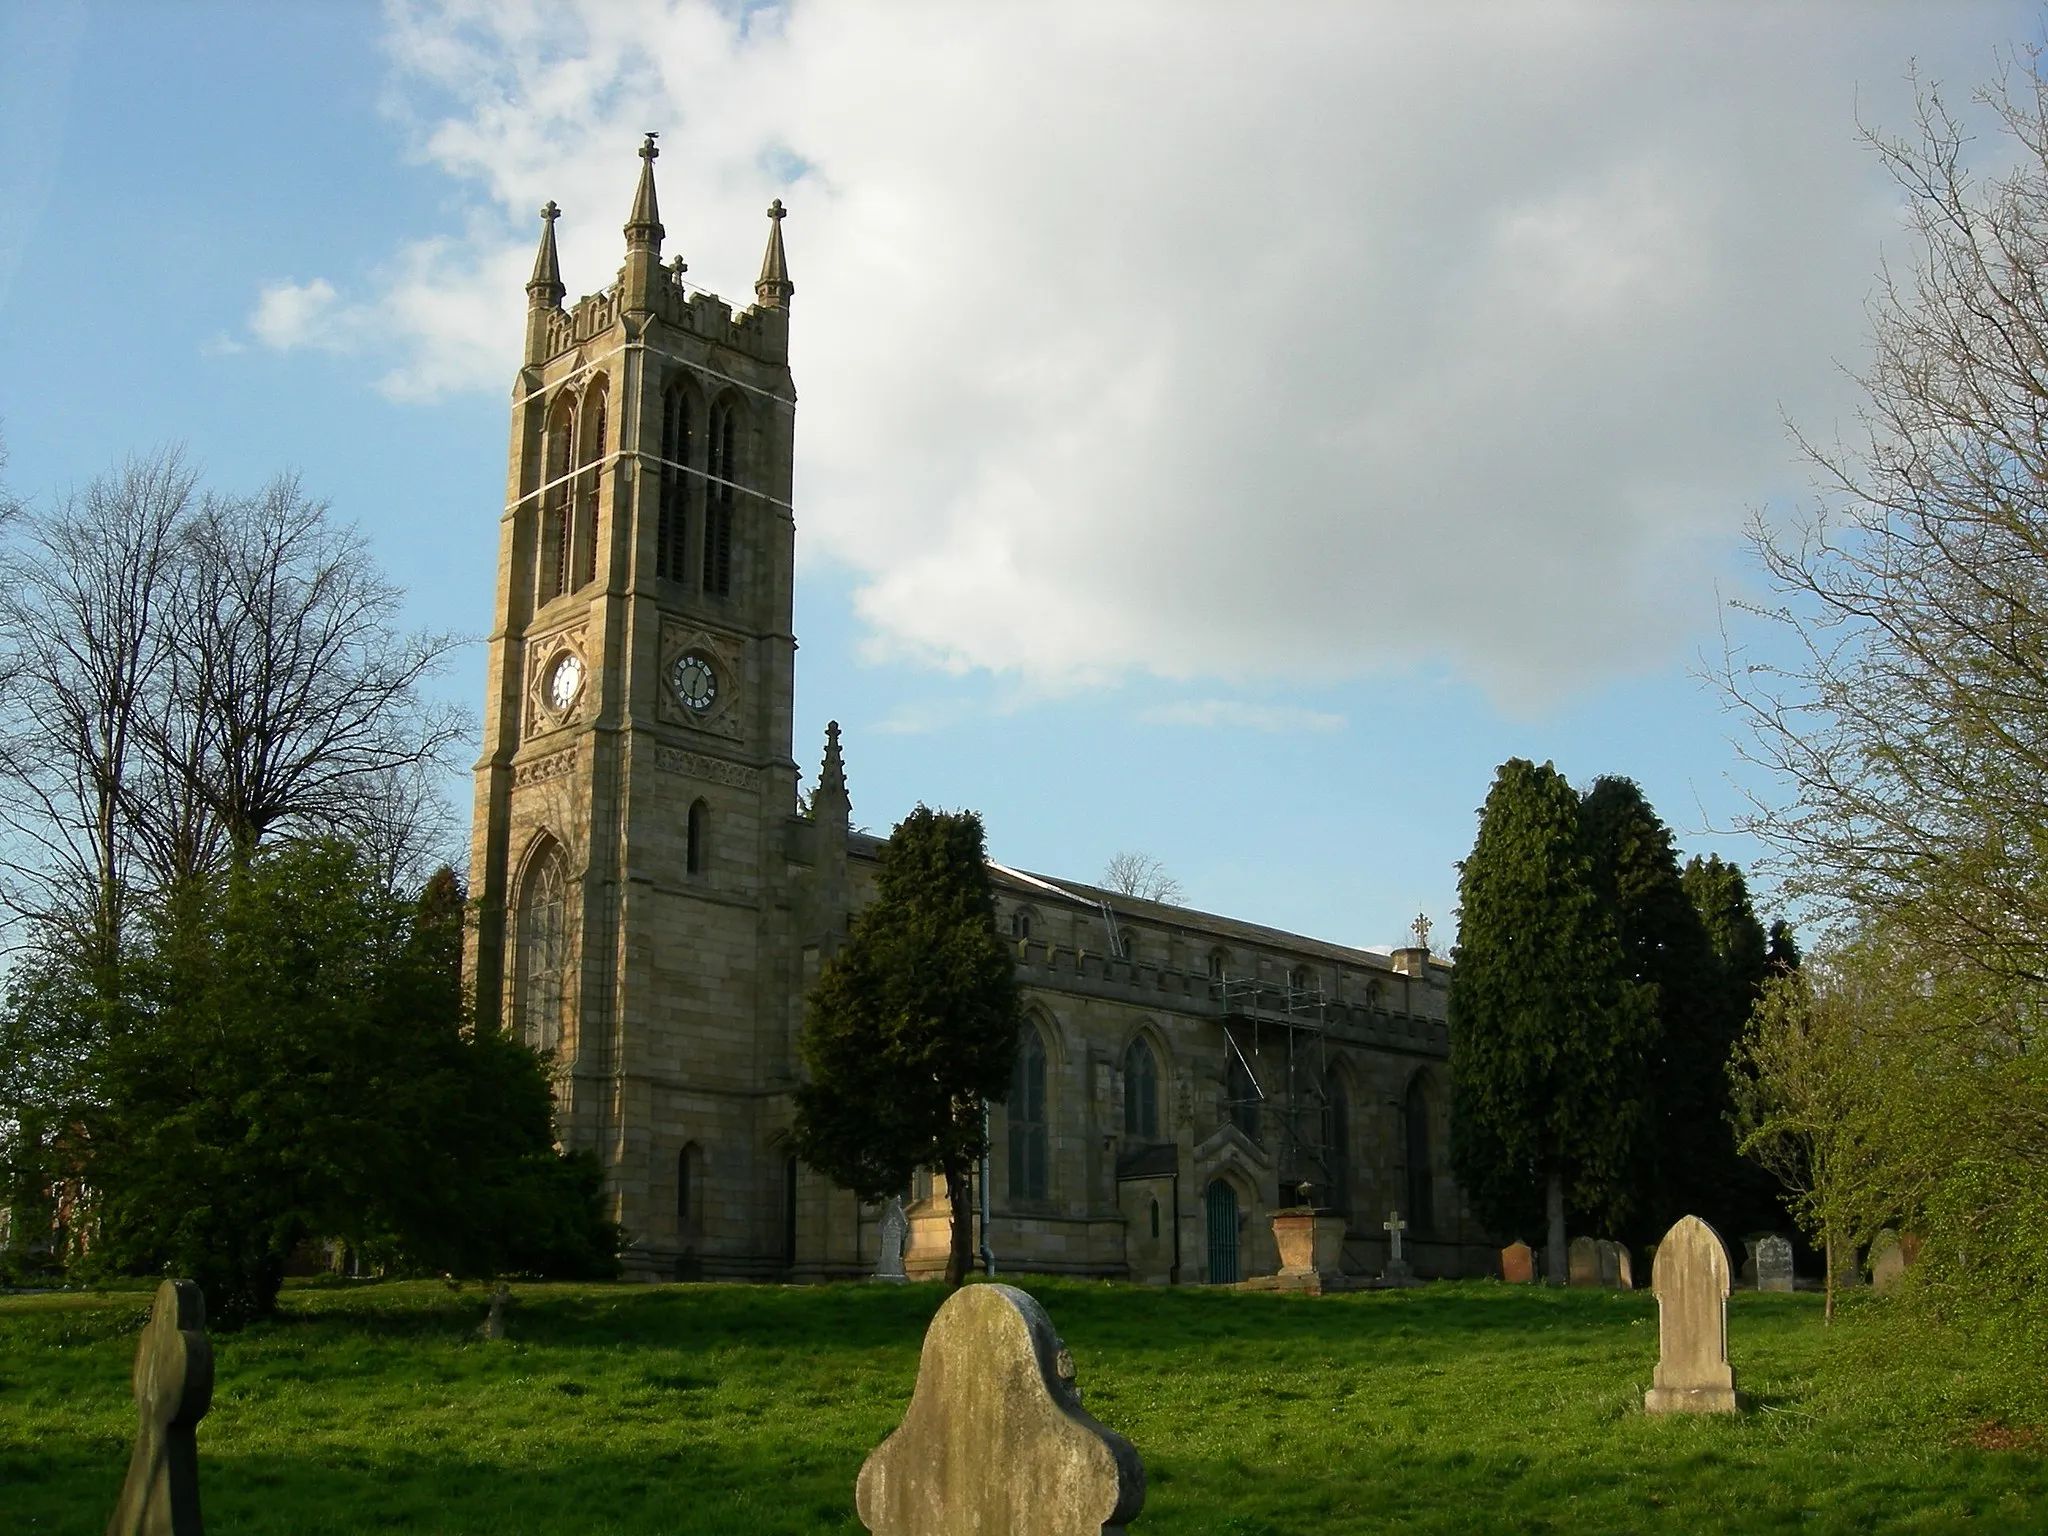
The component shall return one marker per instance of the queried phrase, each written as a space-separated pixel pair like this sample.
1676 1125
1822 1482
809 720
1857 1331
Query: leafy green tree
912 1025
1548 1031
286 1058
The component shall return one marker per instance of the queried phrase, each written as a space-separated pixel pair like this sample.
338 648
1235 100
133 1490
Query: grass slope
727 1409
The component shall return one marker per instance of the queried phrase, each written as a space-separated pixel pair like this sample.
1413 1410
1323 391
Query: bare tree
1132 873
303 695
82 594
1899 692
184 675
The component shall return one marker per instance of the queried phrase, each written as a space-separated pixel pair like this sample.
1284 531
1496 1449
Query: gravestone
1625 1267
1398 1271
995 1441
1887 1262
1613 1259
1310 1243
1773 1264
173 1388
1582 1261
895 1235
493 1325
1518 1263
1690 1277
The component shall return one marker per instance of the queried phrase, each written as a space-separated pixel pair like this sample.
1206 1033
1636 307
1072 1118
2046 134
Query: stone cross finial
776 211
173 1389
1690 1277
995 1441
1419 930
648 151
550 211
1394 1226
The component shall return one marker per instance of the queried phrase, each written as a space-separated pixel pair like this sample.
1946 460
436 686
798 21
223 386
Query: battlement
758 332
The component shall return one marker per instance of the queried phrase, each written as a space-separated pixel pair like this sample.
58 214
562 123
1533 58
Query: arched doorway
1222 1209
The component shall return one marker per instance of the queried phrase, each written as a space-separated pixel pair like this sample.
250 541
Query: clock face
694 681
565 681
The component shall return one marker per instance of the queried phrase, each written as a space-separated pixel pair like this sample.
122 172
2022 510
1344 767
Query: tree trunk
1827 1311
959 1194
1554 1252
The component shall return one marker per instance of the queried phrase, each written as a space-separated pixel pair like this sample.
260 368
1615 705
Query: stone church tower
650 904
634 902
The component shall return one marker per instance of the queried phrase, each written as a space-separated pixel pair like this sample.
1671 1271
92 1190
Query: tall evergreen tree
913 1024
1547 1030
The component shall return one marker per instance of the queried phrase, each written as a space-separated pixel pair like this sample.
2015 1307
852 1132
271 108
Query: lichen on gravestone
995 1441
173 1383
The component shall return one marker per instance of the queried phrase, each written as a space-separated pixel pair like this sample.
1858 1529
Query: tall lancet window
552 561
543 949
675 488
1026 1111
590 458
1421 1176
1141 1092
722 467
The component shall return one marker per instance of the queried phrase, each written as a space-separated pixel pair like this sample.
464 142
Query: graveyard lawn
729 1409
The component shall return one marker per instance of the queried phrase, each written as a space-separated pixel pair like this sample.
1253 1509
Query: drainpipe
1173 1278
988 1254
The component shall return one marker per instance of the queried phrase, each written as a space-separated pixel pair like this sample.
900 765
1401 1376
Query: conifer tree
1547 1030
913 1025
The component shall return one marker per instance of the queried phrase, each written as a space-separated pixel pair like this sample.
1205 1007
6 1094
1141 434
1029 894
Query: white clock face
565 681
694 681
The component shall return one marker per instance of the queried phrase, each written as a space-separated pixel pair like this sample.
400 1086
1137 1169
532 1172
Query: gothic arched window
543 949
1218 963
552 557
1026 1114
698 851
1141 1092
1243 1091
722 470
1421 1203
1337 1146
590 461
676 448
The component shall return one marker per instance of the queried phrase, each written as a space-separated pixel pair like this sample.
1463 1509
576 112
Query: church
651 898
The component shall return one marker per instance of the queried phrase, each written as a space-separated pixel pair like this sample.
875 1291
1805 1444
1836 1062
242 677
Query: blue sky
1228 440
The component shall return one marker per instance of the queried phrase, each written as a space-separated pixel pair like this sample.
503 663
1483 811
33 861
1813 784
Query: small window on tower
676 446
698 852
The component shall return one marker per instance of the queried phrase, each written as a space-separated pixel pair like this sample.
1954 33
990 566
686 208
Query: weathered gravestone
493 1325
1690 1277
1773 1264
1887 1262
1582 1261
1615 1271
1518 1263
895 1234
173 1389
995 1442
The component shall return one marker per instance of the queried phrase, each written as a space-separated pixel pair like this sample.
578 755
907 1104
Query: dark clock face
694 681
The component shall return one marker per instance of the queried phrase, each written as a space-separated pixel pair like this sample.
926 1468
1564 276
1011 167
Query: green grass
728 1409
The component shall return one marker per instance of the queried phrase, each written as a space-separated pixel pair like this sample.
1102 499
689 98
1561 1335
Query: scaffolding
1276 1074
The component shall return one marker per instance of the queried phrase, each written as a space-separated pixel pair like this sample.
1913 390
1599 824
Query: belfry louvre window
543 949
1027 1119
552 558
1141 1092
722 468
588 484
673 522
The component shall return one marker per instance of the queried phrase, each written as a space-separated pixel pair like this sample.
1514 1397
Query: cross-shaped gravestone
1394 1227
173 1388
995 1441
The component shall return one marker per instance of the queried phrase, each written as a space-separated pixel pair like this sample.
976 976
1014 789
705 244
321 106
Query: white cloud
289 315
1213 714
1219 342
